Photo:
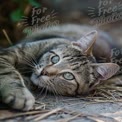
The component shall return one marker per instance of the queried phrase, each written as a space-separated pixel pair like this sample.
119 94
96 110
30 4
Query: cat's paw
20 99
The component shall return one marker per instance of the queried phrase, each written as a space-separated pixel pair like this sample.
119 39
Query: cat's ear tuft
86 42
106 70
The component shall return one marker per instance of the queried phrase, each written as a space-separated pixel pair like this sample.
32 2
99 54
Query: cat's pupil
55 59
68 76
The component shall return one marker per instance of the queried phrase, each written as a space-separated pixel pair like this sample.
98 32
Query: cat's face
66 70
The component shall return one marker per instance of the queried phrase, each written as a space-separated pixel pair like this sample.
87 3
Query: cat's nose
49 71
44 72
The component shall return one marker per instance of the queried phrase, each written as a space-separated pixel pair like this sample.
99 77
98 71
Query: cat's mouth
44 78
39 80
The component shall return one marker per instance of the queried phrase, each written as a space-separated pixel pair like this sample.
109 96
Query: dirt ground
64 109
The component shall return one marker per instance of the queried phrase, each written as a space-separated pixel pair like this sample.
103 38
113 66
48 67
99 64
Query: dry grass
102 94
107 93
7 37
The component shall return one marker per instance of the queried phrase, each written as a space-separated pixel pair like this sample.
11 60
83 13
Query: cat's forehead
73 57
68 49
72 51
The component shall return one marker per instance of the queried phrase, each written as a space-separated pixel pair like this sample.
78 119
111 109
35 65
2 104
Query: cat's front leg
12 89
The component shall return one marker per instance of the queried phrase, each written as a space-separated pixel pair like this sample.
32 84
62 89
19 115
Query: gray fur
35 57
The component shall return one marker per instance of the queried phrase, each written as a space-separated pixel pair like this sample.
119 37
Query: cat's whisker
53 90
33 61
24 68
56 91
28 63
52 85
41 90
33 58
46 90
28 60
26 72
38 96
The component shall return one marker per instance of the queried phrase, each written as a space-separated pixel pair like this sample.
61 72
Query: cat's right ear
86 42
105 70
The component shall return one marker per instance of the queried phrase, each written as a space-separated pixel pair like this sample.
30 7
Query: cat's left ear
86 42
105 70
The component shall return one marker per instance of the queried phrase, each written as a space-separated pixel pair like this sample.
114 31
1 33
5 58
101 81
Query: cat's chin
34 79
45 78
39 80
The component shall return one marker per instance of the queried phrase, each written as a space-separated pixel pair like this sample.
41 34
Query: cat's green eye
55 59
68 76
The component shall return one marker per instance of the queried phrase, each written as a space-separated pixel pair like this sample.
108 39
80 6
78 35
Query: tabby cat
58 59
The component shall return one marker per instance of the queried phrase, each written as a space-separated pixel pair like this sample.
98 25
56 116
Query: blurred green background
16 16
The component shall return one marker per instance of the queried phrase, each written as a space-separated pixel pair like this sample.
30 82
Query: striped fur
33 60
